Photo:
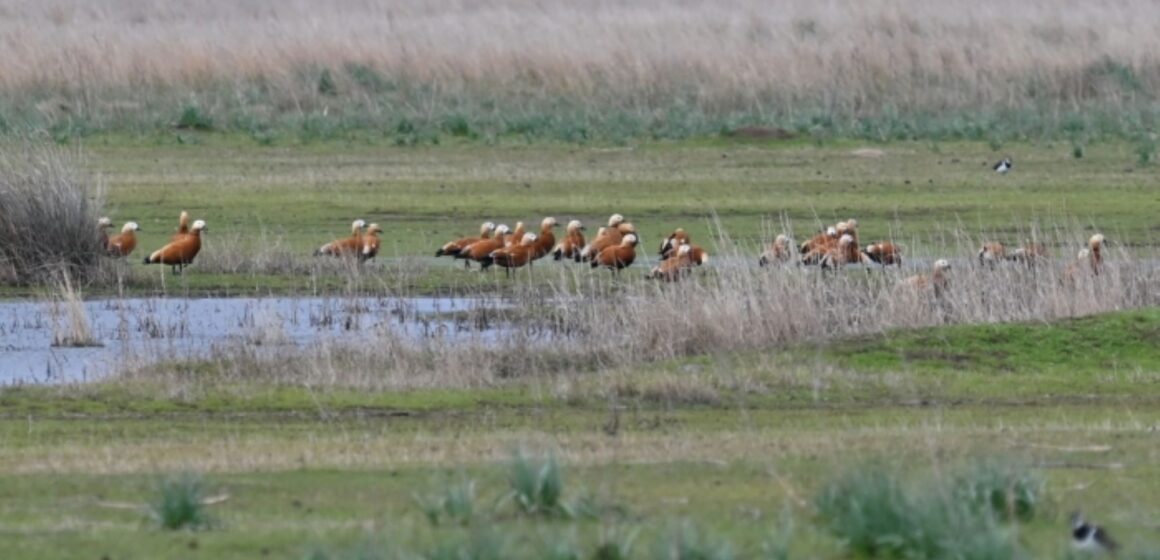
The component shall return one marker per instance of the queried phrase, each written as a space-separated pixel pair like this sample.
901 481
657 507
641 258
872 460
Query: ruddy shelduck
370 248
846 252
452 248
1090 258
517 234
991 252
673 242
546 239
937 279
673 268
515 256
815 247
573 242
103 225
178 254
182 226
480 251
1030 254
347 246
778 252
884 253
123 244
619 256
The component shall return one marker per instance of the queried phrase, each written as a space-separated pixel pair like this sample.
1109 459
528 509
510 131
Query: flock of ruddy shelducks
615 246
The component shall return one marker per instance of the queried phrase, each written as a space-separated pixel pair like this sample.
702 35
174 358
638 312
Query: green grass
336 473
297 198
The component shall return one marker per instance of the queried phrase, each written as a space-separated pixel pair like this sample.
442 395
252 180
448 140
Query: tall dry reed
114 62
591 322
49 208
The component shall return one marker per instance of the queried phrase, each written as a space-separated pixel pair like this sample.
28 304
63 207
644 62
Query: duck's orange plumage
371 242
780 252
673 242
991 252
453 248
515 256
347 246
573 242
181 252
546 240
937 279
884 253
671 269
122 245
182 226
481 251
103 226
517 234
619 256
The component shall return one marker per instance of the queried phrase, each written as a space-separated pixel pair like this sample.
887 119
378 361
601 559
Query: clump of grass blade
181 503
455 503
537 487
48 214
877 517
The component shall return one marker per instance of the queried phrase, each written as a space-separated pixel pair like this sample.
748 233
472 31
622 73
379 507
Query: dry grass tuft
125 60
48 214
592 322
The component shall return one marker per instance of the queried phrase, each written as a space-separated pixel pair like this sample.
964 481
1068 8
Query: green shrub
193 118
180 504
537 488
455 503
1006 490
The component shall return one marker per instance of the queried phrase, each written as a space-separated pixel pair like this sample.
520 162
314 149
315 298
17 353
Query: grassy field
712 450
268 208
720 416
423 72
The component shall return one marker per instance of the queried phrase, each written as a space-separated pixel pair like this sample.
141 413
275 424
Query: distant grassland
423 72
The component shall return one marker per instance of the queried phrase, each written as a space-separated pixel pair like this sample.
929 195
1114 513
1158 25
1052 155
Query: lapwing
1089 537
1003 166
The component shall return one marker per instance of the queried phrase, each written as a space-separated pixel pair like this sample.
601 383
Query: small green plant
1146 149
537 488
193 118
1077 150
1009 491
686 542
876 517
180 503
777 546
615 544
456 504
483 544
326 85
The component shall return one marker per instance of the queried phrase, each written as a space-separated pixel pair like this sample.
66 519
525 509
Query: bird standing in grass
573 242
182 226
618 256
122 245
884 253
370 248
938 279
546 240
1003 166
177 254
452 248
515 256
673 268
103 226
779 252
1088 537
347 246
480 251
